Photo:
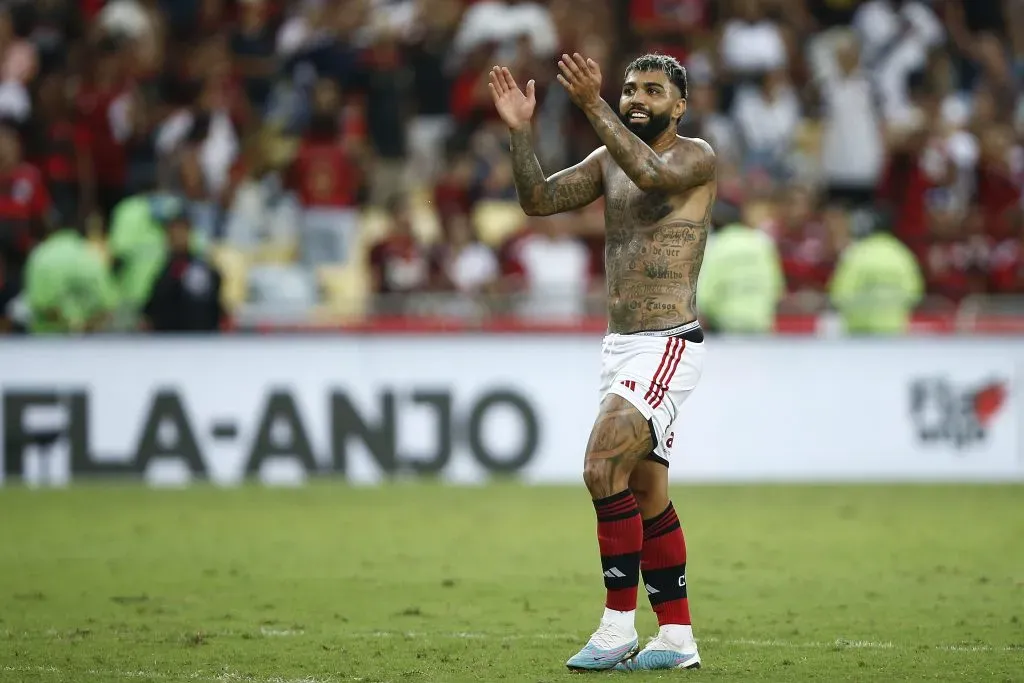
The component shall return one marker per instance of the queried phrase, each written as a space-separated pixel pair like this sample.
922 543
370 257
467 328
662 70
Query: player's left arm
691 166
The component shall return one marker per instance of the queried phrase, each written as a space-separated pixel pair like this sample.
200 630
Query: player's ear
679 109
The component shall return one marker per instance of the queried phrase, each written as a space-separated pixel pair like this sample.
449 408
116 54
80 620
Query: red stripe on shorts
664 359
663 389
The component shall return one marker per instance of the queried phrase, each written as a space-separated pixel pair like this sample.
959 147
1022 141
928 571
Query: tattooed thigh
619 440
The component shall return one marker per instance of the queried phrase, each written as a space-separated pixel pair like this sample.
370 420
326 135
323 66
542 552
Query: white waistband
673 332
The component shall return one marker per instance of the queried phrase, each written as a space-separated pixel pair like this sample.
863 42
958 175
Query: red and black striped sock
664 568
620 535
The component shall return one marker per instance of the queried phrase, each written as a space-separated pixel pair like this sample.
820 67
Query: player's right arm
572 188
566 190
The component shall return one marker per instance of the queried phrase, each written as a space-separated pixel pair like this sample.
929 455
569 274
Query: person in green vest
741 282
138 247
877 282
67 286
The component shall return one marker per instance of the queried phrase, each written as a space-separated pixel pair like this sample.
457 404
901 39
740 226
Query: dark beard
655 125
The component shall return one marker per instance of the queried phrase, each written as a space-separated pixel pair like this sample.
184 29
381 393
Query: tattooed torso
654 248
654 240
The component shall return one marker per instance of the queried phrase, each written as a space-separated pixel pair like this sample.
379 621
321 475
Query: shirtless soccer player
659 189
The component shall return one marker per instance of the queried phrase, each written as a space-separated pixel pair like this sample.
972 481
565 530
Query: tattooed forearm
649 171
570 189
640 162
526 171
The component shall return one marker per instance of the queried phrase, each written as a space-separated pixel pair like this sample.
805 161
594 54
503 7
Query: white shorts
655 372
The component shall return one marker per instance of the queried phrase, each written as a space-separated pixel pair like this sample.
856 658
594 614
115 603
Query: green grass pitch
421 582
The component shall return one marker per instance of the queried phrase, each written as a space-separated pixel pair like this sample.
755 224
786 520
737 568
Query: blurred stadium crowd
195 164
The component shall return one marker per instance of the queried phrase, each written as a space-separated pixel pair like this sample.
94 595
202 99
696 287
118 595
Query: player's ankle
623 621
677 634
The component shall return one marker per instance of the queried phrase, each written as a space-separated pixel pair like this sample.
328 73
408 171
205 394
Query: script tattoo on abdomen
652 269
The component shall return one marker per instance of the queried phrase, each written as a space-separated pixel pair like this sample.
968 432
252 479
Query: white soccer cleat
661 653
609 645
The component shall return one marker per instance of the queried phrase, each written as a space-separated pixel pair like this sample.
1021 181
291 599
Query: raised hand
581 78
515 108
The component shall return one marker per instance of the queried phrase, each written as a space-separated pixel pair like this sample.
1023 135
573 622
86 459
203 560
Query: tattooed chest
627 206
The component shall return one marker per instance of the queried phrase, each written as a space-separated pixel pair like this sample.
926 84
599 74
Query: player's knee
601 478
594 472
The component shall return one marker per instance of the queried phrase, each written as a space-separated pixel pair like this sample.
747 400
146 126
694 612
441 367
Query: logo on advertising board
49 422
958 414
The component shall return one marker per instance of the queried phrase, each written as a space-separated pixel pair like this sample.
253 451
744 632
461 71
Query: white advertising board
464 408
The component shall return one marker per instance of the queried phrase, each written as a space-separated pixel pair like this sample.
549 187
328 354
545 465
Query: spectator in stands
67 286
668 26
333 47
896 38
999 181
853 146
751 45
210 120
916 164
25 203
837 220
493 169
805 245
767 118
141 147
304 29
56 26
464 264
186 296
550 271
102 108
824 15
425 50
453 193
19 60
260 215
328 180
203 207
130 19
18 67
502 23
389 99
253 45
958 260
399 263
1007 264
62 150
976 34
